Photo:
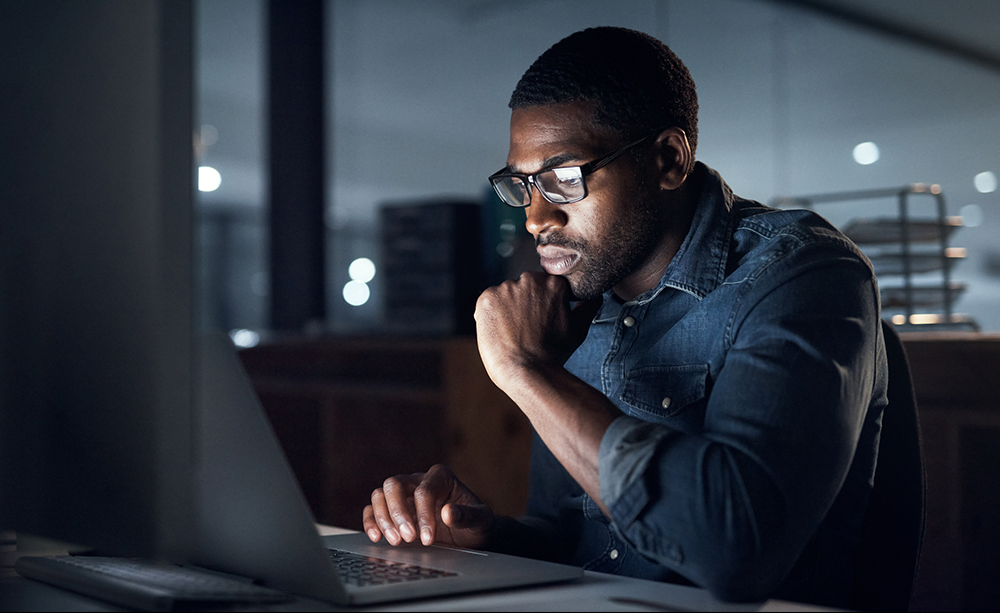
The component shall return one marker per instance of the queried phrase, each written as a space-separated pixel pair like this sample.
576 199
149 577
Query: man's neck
677 224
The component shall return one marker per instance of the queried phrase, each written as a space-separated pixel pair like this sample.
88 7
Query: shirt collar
699 266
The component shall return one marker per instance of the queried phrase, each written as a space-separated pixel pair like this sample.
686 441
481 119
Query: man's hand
526 331
434 504
529 322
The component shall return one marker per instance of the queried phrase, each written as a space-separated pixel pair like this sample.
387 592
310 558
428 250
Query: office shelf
893 263
932 296
904 251
887 230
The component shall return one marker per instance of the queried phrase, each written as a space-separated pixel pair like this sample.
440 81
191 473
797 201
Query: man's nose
542 215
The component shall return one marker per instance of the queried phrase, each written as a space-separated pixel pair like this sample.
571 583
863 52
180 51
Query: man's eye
568 177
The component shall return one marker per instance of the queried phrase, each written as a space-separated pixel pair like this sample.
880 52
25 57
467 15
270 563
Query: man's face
598 242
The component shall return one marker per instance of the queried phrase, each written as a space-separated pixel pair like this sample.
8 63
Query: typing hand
434 505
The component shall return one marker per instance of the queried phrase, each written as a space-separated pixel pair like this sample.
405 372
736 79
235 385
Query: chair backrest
886 560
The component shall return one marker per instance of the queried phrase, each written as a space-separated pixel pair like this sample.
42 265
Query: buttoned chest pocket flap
665 391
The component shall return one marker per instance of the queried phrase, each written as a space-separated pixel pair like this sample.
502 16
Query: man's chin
581 290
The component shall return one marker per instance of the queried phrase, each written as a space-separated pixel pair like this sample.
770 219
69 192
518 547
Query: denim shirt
751 383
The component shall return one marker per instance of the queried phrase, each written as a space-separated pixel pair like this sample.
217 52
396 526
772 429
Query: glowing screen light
209 179
866 153
985 182
361 269
356 293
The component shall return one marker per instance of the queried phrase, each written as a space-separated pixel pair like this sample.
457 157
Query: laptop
256 523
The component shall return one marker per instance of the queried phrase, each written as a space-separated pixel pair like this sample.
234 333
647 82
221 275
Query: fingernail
407 532
425 536
374 535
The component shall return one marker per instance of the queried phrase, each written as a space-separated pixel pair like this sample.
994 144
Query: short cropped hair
636 82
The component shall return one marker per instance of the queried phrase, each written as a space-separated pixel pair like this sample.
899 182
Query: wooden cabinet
956 377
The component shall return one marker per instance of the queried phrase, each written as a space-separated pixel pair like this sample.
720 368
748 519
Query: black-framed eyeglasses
562 185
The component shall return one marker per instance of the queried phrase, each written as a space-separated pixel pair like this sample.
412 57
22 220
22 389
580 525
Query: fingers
426 507
407 506
429 496
434 506
370 525
390 512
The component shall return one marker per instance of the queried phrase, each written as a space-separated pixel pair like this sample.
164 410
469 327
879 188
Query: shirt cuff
626 449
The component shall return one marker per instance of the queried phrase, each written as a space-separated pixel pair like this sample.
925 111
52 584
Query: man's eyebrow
552 162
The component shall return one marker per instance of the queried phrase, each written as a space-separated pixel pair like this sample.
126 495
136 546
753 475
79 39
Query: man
705 376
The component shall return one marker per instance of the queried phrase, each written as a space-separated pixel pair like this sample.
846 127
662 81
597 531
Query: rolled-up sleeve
627 448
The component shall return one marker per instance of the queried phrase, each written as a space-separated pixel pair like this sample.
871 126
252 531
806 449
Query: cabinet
958 401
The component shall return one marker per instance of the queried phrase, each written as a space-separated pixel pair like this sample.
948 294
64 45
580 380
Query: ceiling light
866 153
985 182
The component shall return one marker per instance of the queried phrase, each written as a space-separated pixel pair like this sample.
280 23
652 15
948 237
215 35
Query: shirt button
666 402
614 554
629 321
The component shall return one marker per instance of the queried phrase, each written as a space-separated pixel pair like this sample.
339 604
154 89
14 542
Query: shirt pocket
664 394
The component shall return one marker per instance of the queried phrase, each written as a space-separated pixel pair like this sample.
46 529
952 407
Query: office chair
886 560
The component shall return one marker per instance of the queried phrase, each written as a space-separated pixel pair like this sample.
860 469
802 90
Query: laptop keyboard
362 570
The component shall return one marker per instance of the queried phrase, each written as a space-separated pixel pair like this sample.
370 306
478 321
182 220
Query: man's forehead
547 135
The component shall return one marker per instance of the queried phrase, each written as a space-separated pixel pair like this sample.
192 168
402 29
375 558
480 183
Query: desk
594 592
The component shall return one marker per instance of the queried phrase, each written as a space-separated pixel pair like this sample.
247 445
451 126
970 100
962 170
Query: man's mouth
557 260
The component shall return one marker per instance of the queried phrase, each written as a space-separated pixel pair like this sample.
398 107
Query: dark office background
415 97
410 109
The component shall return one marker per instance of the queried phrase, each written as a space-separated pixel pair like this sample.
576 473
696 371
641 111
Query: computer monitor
97 407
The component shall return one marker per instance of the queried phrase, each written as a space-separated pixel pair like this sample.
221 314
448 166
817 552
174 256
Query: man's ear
673 157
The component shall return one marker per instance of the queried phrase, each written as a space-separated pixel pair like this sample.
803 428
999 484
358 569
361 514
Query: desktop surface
593 592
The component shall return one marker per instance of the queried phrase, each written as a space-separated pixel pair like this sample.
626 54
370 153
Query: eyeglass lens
561 185
558 185
513 191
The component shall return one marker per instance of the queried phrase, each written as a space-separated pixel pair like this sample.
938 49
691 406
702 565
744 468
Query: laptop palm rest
474 570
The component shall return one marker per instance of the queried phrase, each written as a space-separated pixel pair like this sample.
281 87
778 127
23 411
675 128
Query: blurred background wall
416 110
